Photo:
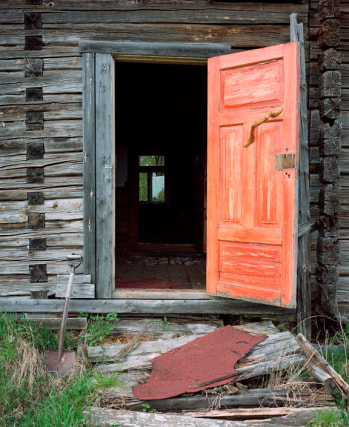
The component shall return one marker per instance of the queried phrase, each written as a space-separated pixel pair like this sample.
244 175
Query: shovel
61 361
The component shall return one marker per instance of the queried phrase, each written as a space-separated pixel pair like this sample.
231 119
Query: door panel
252 204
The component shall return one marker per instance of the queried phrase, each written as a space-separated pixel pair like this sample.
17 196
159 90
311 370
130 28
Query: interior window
152 179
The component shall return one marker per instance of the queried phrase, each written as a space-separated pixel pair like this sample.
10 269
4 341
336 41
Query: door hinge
284 161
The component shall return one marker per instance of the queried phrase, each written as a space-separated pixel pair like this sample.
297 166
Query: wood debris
269 386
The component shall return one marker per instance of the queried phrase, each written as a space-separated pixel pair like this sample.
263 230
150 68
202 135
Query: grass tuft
29 395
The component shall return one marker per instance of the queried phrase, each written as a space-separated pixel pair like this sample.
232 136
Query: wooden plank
246 399
214 305
303 260
158 49
63 128
54 164
259 413
105 181
110 417
79 290
89 129
55 324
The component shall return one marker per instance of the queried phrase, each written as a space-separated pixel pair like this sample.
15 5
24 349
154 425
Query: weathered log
327 274
329 109
330 59
330 84
329 34
324 378
84 354
146 351
330 138
314 358
55 323
132 344
223 398
111 417
329 199
328 251
177 327
328 9
259 414
329 169
268 367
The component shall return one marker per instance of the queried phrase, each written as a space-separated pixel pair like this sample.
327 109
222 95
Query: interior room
161 126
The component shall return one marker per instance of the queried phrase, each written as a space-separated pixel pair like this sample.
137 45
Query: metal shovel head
60 367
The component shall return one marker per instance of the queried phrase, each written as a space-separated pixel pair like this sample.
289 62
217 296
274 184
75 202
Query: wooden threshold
189 302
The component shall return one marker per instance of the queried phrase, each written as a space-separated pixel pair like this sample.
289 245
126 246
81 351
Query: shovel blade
60 367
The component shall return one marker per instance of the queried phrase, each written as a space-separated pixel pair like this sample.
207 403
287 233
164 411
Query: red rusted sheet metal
203 363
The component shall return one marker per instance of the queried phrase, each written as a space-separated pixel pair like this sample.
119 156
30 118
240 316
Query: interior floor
189 272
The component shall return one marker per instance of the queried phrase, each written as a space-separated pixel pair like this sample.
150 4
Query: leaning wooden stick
132 344
316 359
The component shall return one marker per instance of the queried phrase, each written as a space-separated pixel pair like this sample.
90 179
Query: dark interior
161 110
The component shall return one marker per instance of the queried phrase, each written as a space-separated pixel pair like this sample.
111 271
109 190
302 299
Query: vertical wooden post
303 266
89 137
105 171
328 250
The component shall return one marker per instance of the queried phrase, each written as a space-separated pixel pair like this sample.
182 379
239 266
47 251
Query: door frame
99 140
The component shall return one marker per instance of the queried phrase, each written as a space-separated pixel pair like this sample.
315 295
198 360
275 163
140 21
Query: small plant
164 323
146 408
100 327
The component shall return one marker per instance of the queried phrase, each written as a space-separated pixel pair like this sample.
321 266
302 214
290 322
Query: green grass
99 327
337 354
327 419
29 395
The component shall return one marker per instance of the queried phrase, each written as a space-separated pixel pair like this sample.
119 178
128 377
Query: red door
253 124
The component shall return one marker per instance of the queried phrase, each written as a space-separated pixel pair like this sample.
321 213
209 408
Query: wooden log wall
328 254
343 267
41 216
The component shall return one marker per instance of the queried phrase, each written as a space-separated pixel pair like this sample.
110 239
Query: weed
146 408
103 382
328 418
164 323
100 327
336 353
29 395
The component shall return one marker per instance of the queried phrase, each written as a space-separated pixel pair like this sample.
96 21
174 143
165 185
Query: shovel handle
65 311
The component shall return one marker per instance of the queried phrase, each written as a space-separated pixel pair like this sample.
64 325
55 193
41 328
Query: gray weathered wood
315 358
158 49
105 176
79 290
254 398
303 262
89 129
213 305
51 323
271 417
112 417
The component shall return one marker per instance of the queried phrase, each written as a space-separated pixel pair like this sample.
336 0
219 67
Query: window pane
143 187
158 186
151 160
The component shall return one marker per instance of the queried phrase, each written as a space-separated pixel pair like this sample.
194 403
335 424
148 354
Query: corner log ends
329 147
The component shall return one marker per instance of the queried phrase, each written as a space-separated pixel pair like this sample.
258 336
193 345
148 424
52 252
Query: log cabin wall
41 132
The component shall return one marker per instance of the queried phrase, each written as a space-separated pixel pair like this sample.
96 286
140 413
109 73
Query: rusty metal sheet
205 362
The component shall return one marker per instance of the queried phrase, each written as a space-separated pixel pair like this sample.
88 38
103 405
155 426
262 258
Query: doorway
160 145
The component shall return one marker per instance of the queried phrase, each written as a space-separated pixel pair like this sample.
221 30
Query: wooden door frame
99 140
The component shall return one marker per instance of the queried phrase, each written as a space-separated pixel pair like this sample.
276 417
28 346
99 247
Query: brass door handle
259 122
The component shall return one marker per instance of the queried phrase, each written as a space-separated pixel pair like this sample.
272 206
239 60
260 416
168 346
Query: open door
253 126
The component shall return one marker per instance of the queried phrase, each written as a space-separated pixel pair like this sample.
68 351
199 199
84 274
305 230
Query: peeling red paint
197 365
